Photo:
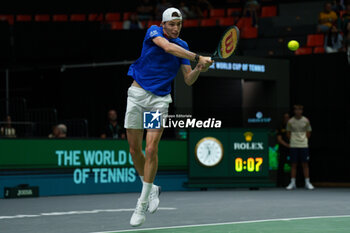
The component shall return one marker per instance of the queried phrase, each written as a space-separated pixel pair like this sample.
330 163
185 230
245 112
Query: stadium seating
95 17
23 18
117 25
314 40
60 18
208 22
303 51
110 17
42 18
153 22
233 11
227 21
319 50
77 17
190 23
268 11
8 18
249 32
126 15
216 13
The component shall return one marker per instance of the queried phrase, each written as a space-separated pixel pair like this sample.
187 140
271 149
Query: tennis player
163 54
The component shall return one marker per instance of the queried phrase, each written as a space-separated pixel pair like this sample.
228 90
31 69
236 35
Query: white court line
225 223
75 212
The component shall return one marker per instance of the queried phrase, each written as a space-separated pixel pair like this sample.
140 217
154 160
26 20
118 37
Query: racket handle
215 55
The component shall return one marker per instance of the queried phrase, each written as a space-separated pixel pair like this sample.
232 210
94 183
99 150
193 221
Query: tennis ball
293 45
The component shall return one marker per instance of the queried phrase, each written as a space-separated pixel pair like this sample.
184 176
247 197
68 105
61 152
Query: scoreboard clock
209 151
228 158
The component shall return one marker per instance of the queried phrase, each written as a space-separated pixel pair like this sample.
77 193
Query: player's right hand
205 61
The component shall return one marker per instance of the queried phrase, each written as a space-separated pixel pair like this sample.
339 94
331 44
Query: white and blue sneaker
139 215
153 199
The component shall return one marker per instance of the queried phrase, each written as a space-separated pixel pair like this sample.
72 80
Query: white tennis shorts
140 101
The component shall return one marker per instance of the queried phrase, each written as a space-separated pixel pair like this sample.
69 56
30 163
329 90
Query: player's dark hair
175 14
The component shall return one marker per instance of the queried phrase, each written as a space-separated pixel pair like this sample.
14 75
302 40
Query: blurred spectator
345 25
7 130
326 18
337 6
200 6
185 10
161 7
251 9
333 42
113 130
283 143
145 9
132 23
188 11
59 131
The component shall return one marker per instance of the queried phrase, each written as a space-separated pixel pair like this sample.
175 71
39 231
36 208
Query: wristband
196 58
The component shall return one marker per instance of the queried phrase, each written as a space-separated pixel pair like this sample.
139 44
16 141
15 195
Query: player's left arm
191 76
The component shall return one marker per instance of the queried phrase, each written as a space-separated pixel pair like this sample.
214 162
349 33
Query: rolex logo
248 136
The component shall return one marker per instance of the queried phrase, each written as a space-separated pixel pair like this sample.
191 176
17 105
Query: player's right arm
178 51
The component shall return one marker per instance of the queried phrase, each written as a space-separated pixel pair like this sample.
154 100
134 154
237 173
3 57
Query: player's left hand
204 68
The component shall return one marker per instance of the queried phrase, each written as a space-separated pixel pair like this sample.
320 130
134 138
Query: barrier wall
64 167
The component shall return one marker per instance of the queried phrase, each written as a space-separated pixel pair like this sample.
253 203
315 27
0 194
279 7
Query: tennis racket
227 44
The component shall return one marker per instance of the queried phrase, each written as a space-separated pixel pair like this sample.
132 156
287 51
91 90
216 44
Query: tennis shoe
139 215
153 199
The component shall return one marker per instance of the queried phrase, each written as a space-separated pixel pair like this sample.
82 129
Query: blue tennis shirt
156 69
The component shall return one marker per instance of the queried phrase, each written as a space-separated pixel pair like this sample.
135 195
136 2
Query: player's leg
150 170
151 162
135 137
305 164
293 173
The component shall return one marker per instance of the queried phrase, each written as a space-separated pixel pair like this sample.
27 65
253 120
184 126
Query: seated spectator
113 130
326 18
202 5
59 131
132 23
337 6
7 130
345 25
251 9
333 41
145 10
186 12
161 7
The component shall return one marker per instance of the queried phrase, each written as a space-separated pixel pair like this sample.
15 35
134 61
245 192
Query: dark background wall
321 83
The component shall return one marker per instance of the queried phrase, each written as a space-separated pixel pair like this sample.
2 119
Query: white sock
292 180
307 180
146 189
141 178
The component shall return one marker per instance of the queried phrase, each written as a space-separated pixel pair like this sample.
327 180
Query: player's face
172 28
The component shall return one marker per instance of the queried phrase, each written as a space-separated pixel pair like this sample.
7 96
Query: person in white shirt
298 132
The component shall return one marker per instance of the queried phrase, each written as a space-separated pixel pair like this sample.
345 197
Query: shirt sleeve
153 32
185 61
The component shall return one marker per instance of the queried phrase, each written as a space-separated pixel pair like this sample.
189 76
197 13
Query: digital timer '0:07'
251 164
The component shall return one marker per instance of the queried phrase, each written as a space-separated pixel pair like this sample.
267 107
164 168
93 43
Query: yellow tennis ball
293 45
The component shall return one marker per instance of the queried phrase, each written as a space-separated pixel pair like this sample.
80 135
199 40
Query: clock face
209 151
